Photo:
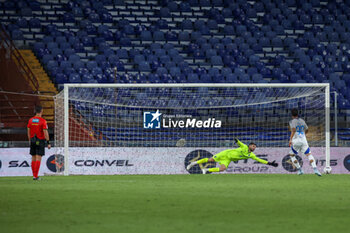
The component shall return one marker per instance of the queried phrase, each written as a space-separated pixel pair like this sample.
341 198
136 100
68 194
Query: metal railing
13 53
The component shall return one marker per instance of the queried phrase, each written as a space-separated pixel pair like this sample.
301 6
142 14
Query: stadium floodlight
188 115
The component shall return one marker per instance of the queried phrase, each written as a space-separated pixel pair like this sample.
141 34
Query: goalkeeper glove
273 163
236 140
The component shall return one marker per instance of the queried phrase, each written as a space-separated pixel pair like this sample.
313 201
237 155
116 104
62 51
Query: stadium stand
187 41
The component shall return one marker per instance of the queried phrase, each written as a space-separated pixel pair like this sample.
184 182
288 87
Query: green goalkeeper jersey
239 153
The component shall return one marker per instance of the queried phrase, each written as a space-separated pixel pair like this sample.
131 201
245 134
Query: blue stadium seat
333 37
82 70
171 36
106 64
144 66
155 46
200 71
51 64
213 72
56 51
88 78
91 65
78 47
122 53
152 58
277 42
34 23
210 53
205 78
112 59
101 78
229 30
336 66
226 71
184 36
214 40
212 24
78 64
242 60
26 11
39 45
186 24
216 61
251 71
74 78
164 12
244 78
247 52
172 5
205 47
125 41
174 71
198 24
257 77
146 36
52 45
96 70
169 65
77 11
253 60
73 40
159 52
231 78
61 78
276 72
226 40
120 65
64 46
177 59
162 70
139 58
284 65
168 46
264 42
87 41
65 64
105 49
74 58
164 59
193 78
46 58
48 39
158 36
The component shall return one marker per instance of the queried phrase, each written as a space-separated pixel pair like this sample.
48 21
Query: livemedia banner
113 161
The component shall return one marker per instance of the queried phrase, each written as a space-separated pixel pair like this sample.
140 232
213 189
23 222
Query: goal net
109 119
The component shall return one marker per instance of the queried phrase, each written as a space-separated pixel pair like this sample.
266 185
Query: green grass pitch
176 203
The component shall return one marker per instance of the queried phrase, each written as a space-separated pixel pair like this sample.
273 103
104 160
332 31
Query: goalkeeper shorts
222 158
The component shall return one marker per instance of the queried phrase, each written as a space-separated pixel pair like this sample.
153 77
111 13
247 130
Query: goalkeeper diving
225 157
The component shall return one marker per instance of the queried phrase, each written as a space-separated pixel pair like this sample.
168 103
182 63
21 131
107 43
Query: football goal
91 119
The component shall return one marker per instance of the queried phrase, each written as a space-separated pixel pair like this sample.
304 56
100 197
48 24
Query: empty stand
187 41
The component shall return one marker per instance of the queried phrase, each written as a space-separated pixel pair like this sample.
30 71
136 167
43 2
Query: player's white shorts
299 146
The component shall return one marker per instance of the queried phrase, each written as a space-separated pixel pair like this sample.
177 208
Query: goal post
144 116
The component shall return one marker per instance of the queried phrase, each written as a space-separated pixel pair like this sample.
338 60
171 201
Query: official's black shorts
37 146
